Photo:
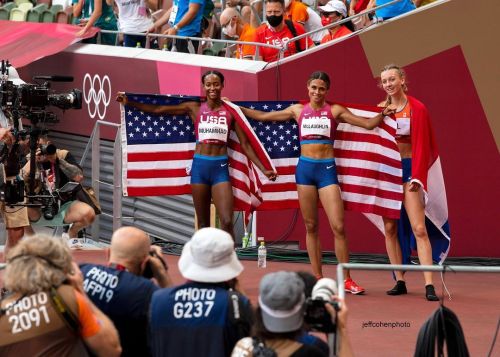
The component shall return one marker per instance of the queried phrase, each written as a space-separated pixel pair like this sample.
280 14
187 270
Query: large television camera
30 100
25 100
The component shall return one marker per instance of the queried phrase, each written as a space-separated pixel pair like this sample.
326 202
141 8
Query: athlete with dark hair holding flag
213 120
316 171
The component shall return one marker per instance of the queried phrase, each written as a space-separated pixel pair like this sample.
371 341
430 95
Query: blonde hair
36 264
402 74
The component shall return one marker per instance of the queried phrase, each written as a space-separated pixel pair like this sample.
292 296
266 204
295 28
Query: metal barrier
258 45
400 267
95 144
340 22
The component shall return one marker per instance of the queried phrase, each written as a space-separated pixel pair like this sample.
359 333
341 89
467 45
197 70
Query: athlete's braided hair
320 75
214 72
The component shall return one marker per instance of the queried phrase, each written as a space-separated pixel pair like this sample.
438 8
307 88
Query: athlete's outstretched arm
248 150
280 115
344 115
190 108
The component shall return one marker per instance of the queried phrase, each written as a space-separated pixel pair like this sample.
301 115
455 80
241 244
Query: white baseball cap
334 6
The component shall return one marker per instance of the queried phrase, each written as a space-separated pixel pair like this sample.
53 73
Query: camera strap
117 266
236 314
62 308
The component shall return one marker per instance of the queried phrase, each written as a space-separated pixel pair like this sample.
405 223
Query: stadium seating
65 16
35 14
6 9
20 12
49 15
19 2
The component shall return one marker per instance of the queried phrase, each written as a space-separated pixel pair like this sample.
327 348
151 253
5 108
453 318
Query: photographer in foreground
208 314
280 319
47 311
123 289
55 168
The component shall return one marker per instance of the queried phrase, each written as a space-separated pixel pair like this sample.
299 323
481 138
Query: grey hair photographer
47 309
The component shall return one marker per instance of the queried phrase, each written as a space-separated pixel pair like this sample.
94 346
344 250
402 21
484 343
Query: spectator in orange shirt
235 28
332 12
303 14
278 32
296 11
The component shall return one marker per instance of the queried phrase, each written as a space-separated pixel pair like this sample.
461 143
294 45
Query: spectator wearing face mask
278 32
235 28
332 12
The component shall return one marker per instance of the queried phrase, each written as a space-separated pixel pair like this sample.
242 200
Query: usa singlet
316 126
212 126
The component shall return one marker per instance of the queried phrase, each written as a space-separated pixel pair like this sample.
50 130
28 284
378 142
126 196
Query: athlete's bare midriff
211 149
405 150
317 151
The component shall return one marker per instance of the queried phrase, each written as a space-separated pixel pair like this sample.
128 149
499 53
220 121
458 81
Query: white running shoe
74 243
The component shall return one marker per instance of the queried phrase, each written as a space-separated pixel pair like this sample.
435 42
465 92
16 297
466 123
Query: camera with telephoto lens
316 315
148 270
48 149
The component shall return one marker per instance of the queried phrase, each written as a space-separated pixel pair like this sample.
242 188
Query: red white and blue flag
368 162
157 152
427 171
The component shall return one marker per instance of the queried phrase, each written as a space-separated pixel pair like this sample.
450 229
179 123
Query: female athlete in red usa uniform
209 171
316 172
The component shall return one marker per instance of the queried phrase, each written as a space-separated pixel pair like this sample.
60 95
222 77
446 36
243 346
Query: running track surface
475 300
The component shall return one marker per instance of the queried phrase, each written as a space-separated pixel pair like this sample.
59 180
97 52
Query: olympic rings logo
97 94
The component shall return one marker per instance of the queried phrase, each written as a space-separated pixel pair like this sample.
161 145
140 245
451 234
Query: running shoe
352 287
73 243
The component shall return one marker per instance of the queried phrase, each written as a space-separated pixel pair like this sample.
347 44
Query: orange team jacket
297 11
342 31
247 35
267 34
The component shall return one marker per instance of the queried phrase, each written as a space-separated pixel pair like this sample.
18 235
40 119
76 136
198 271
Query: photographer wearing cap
47 312
280 319
123 289
206 316
55 168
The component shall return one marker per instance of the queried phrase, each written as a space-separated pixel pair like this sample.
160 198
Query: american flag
368 162
158 151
